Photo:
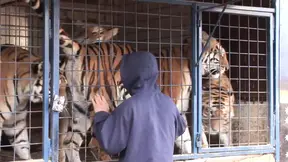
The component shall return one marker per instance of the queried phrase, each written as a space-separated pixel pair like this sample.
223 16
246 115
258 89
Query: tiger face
214 59
37 87
214 62
94 34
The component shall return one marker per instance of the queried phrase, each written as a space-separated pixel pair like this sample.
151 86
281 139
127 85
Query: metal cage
246 30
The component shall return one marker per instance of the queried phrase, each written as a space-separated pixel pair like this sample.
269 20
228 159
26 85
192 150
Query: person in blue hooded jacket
144 127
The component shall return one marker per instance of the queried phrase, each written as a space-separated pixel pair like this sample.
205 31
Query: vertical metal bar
277 78
55 15
196 78
45 114
199 49
271 79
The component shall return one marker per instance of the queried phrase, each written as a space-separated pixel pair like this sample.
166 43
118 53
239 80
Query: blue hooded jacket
144 127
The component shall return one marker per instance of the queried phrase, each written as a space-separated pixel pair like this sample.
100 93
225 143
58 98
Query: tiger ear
109 34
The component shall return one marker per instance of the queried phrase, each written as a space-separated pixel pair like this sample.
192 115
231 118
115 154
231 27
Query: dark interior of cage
153 27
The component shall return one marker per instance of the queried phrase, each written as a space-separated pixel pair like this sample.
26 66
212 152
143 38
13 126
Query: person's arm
180 124
112 131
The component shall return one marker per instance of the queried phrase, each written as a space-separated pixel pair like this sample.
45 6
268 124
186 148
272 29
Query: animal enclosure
226 99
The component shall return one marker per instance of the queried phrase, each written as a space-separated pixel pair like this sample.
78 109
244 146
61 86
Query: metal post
196 81
277 78
55 18
45 132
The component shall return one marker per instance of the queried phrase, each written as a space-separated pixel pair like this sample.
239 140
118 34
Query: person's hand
100 103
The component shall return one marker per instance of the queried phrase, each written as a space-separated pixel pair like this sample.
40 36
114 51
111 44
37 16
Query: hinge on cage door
58 103
198 140
199 23
50 29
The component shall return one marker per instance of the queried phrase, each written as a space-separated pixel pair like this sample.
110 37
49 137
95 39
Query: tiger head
37 87
214 58
94 34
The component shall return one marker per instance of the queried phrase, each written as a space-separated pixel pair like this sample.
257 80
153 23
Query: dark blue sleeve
180 124
112 131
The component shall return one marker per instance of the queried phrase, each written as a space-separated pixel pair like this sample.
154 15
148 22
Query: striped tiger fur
217 95
217 109
18 72
214 60
217 104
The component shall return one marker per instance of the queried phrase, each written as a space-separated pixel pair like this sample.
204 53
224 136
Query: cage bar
54 61
46 62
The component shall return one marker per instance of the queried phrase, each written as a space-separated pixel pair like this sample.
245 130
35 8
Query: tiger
85 61
217 98
19 71
217 109
221 91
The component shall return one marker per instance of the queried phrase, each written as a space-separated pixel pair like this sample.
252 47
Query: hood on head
139 71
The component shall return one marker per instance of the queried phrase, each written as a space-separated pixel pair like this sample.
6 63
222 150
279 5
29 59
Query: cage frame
51 150
273 77
270 80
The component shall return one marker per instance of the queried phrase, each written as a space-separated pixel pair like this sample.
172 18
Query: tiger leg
76 134
204 138
96 149
183 142
18 137
63 128
224 138
225 134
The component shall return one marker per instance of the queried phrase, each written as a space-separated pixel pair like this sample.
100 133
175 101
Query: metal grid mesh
152 27
246 40
146 27
20 28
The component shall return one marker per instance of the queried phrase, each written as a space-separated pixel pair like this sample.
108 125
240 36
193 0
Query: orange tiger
18 72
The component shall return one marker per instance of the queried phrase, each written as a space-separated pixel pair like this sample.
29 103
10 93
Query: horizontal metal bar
34 160
220 5
241 12
222 154
238 148
179 2
203 5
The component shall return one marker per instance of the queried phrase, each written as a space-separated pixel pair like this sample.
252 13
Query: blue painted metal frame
45 114
269 148
54 60
220 154
271 81
277 78
196 73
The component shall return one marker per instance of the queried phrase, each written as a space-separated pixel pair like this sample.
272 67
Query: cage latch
198 140
58 103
